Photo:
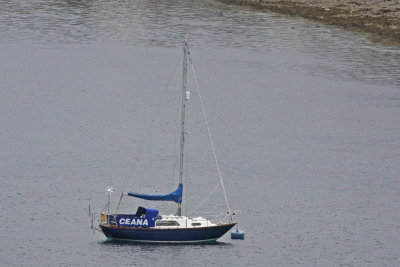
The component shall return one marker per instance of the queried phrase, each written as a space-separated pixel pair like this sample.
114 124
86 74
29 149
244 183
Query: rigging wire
209 134
204 200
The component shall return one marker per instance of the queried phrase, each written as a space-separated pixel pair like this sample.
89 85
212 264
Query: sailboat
147 225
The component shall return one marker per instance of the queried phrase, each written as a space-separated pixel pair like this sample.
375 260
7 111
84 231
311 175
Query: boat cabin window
196 224
167 223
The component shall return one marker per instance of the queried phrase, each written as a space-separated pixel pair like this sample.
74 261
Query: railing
95 221
219 217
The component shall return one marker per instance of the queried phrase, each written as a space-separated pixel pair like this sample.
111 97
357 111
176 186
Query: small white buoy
237 234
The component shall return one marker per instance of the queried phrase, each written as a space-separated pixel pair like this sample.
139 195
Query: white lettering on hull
133 221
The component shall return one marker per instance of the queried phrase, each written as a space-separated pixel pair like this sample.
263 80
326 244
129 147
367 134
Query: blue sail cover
175 196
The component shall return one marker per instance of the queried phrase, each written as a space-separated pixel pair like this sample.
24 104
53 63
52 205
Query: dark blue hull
186 235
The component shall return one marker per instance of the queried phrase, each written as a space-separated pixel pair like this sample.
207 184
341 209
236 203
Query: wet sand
380 17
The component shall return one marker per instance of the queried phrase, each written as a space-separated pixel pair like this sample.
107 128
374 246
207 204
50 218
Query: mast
184 99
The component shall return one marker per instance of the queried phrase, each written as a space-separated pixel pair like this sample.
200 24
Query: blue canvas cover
151 213
141 211
175 196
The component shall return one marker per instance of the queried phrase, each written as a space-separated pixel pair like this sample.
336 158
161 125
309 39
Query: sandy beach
380 17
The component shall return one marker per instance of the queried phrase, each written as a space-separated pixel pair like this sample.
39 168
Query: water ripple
347 55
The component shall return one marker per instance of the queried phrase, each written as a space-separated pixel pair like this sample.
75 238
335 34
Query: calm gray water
305 120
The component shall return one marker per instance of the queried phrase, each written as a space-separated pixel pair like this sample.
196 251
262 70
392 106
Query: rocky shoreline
380 17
